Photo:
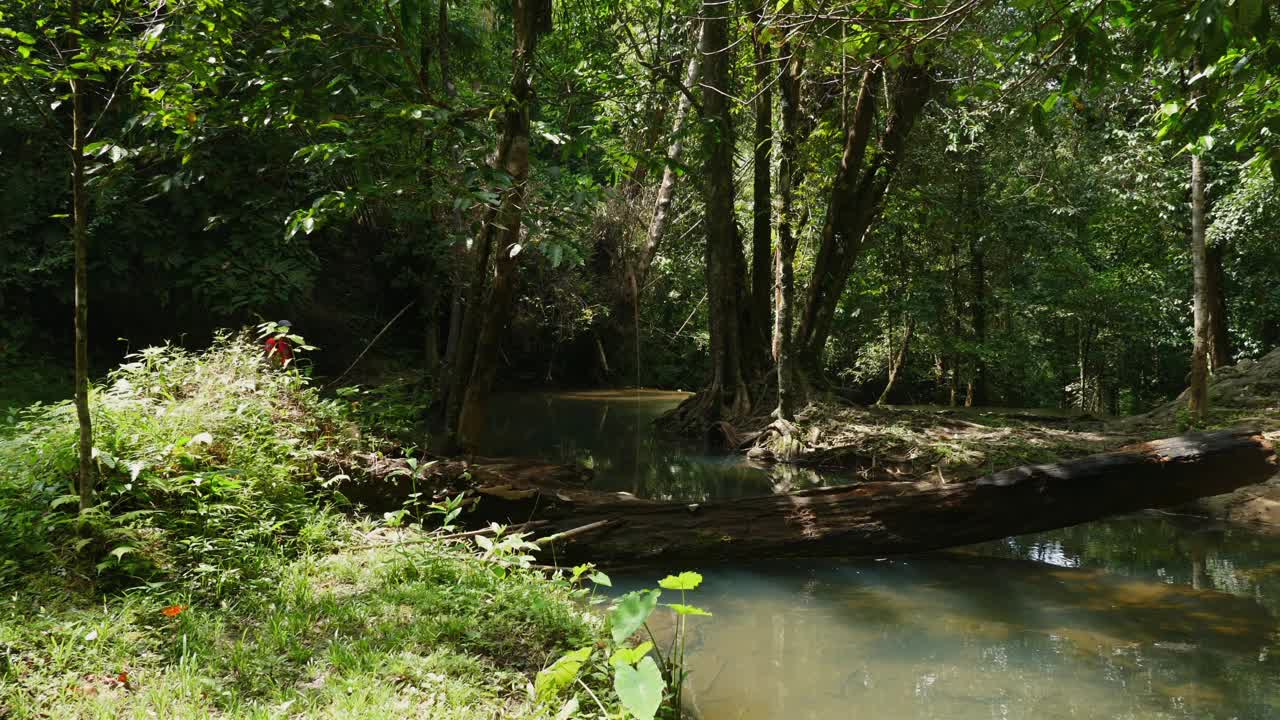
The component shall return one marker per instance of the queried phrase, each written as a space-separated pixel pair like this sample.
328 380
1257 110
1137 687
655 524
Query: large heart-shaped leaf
631 612
639 688
684 581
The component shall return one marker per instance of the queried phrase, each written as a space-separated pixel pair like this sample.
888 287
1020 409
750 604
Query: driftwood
867 519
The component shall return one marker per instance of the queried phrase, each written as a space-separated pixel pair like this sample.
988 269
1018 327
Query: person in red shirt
278 348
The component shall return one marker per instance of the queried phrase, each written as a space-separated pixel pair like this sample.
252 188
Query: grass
212 504
425 631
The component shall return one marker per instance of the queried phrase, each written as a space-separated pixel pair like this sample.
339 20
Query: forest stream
1145 616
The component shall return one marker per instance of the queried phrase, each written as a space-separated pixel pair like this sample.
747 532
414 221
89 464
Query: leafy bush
205 464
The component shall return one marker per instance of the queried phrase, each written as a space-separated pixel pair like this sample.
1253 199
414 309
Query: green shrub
206 472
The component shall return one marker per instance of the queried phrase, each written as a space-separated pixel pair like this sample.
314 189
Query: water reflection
957 637
612 433
1186 551
1142 617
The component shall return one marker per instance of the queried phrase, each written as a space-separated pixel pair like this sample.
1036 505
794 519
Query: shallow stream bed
1147 616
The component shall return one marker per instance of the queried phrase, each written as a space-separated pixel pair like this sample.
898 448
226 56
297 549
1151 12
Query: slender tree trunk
728 392
621 272
979 309
896 361
667 188
761 193
789 84
501 234
857 196
1219 333
1198 403
978 272
953 379
442 53
80 240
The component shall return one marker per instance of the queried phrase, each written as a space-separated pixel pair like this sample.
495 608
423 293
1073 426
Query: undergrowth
220 575
206 474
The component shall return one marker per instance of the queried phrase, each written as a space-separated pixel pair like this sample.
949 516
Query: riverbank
958 444
912 443
222 576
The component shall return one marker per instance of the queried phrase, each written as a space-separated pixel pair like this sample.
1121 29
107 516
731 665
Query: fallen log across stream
864 519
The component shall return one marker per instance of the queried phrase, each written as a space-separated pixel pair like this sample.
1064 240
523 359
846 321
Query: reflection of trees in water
1222 558
618 441
960 637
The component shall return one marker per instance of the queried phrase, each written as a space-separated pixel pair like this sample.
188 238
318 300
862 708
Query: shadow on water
1137 617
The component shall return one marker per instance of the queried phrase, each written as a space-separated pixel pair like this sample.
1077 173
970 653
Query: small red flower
173 610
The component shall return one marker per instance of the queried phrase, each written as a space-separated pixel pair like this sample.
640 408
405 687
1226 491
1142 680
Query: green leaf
121 551
630 656
639 688
64 500
631 612
687 609
600 578
684 581
551 681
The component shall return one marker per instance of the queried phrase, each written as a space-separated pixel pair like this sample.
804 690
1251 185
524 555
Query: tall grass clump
207 474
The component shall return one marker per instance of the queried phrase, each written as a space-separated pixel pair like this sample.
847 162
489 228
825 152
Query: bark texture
762 195
489 295
789 396
728 395
1198 402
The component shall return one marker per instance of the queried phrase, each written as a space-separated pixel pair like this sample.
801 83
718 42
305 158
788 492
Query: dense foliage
334 161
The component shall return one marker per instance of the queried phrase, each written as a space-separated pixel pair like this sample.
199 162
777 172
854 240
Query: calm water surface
1150 616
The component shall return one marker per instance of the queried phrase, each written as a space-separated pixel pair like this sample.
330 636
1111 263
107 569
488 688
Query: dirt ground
957 444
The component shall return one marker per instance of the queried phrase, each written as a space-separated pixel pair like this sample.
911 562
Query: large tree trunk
1219 334
500 237
789 396
1198 403
728 395
761 196
873 518
80 241
857 195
